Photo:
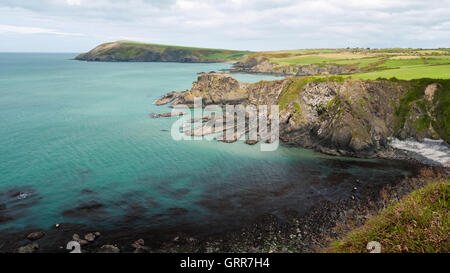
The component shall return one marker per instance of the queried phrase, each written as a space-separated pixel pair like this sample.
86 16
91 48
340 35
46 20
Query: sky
80 25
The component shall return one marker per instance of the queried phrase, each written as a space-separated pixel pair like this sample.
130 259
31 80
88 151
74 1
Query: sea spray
436 151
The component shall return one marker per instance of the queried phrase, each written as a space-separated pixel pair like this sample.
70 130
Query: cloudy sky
79 25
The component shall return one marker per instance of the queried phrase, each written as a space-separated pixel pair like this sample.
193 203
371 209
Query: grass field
408 72
371 63
418 223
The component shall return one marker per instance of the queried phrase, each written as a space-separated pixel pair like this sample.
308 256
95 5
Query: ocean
77 145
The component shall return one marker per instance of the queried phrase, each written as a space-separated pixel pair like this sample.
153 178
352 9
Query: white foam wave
434 150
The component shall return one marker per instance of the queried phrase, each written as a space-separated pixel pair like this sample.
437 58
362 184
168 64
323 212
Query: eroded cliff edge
334 115
256 63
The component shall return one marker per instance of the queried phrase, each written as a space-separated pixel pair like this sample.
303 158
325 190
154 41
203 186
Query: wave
437 151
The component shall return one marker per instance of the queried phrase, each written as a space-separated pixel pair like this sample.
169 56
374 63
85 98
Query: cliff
335 115
127 51
259 64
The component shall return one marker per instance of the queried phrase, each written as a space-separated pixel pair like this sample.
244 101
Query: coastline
314 227
311 231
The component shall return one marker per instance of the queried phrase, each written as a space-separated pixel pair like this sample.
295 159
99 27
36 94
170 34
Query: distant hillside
128 51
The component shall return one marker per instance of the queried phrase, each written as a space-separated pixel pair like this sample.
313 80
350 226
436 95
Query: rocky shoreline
335 116
311 231
259 65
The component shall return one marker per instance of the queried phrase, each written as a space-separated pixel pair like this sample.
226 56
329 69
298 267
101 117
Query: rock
109 249
77 238
30 248
97 234
35 235
430 90
251 142
138 243
169 97
57 225
165 115
139 246
90 237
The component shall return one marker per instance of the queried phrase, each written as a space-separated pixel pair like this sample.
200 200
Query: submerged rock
35 235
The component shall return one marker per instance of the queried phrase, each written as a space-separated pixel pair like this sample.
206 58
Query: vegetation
418 223
291 91
409 72
403 64
438 107
136 51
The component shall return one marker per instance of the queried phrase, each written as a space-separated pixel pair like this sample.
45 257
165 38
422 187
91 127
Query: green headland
147 52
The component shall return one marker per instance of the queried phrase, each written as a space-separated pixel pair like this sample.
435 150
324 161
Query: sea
78 145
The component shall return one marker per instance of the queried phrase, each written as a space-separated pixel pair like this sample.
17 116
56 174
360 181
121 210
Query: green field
408 72
369 63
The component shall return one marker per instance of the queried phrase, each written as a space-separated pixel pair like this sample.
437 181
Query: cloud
74 2
246 24
33 30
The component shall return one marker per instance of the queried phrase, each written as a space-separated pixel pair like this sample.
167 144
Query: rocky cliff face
335 115
262 65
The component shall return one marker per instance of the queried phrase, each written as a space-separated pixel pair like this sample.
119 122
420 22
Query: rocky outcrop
166 115
334 115
168 98
259 64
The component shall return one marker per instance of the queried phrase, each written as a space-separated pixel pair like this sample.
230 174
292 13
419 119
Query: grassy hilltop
146 52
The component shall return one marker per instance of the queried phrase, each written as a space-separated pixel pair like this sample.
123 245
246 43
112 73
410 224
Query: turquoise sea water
77 145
